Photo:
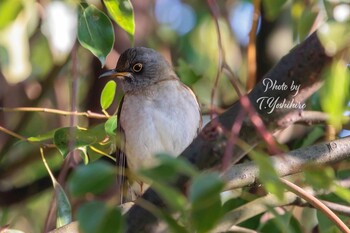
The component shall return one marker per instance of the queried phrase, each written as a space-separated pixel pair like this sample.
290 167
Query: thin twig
316 203
226 160
259 125
88 114
13 134
251 50
214 12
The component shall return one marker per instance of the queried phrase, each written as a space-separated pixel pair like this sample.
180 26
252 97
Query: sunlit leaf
9 9
204 195
335 93
95 31
107 95
122 13
93 178
42 137
97 217
85 155
342 192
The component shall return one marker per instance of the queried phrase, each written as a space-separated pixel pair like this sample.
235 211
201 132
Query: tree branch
302 66
244 174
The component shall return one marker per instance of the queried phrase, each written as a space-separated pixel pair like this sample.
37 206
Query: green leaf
42 137
174 198
95 31
273 8
122 13
204 195
319 177
305 23
325 225
168 169
282 223
335 93
97 217
73 138
85 155
267 174
315 134
92 178
187 73
64 209
9 9
111 125
343 193
107 95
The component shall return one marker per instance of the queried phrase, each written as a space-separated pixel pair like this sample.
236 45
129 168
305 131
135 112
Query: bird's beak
116 74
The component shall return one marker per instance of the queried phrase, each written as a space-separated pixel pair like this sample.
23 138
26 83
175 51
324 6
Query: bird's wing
121 162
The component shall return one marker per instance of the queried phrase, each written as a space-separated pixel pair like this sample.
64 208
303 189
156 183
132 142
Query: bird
157 114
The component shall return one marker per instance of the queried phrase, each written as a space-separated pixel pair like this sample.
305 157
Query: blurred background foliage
43 65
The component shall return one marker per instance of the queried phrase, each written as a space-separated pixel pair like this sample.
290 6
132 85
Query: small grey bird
158 112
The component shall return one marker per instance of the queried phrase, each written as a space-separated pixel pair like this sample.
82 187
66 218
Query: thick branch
244 174
303 66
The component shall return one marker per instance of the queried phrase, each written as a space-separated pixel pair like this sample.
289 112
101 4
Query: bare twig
222 64
13 134
236 127
251 50
87 114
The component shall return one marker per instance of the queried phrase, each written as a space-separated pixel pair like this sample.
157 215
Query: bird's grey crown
154 68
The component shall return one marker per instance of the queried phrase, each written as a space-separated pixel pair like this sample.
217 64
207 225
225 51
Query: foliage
38 68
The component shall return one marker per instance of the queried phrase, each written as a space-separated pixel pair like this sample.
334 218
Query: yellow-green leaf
122 13
107 95
335 93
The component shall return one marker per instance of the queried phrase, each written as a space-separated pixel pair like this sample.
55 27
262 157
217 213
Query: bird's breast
165 119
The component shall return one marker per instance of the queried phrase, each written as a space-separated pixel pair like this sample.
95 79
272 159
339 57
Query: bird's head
140 67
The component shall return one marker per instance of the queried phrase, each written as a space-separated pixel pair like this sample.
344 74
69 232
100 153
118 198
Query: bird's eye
137 67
